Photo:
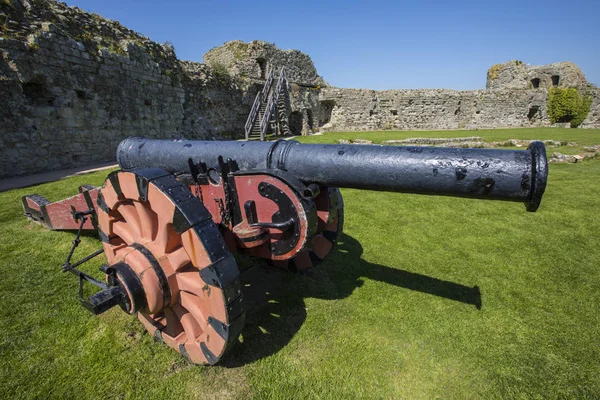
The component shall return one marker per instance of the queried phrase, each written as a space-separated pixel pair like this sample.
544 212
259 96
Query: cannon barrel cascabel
513 175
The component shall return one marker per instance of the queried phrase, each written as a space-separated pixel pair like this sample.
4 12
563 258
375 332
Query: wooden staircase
255 132
266 111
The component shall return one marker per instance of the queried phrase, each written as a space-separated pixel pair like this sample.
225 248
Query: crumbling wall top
254 60
516 74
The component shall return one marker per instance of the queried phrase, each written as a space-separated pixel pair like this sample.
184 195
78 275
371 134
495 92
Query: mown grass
426 297
583 137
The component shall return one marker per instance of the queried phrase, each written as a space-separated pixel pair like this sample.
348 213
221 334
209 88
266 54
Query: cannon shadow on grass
275 299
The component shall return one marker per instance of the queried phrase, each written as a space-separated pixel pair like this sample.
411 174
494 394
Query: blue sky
380 44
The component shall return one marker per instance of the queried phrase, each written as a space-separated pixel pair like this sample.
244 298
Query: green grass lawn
583 137
426 297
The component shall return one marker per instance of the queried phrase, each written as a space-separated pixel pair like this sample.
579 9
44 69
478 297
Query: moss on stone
239 49
494 71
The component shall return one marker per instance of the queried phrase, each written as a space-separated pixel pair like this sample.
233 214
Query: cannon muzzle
512 175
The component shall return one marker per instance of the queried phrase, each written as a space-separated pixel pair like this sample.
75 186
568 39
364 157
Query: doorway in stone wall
534 114
296 119
309 119
326 110
262 64
37 92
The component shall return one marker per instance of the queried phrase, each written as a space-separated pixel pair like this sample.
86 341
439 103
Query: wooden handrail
273 99
252 115
267 85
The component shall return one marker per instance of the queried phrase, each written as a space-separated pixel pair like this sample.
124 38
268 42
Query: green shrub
220 70
567 105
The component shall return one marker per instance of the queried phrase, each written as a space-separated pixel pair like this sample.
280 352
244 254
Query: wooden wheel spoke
123 230
179 259
195 306
190 281
172 325
166 239
148 220
188 322
129 213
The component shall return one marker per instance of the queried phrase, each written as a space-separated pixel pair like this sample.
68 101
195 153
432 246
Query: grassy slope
392 313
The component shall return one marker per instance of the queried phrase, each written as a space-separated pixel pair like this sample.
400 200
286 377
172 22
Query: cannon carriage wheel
169 256
330 212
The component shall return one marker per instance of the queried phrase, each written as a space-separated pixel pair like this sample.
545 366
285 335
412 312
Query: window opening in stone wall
295 122
555 79
535 82
262 64
534 113
326 111
394 112
37 92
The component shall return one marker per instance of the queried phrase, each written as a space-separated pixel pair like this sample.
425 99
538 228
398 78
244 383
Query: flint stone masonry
361 109
73 85
516 74
256 59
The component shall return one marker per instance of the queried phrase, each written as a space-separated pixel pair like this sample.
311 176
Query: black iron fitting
277 155
103 300
111 294
67 266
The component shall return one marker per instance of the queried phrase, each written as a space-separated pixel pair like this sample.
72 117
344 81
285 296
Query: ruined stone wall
516 74
360 109
593 118
510 101
73 85
254 60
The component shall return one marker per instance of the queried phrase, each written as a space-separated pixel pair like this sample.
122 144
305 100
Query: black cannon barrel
513 175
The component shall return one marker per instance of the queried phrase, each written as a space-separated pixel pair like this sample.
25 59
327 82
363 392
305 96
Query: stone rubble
559 158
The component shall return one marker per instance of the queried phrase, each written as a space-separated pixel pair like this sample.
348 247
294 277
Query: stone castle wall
73 85
516 74
254 60
593 118
360 109
516 96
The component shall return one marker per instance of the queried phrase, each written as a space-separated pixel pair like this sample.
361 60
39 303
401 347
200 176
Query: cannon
171 217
